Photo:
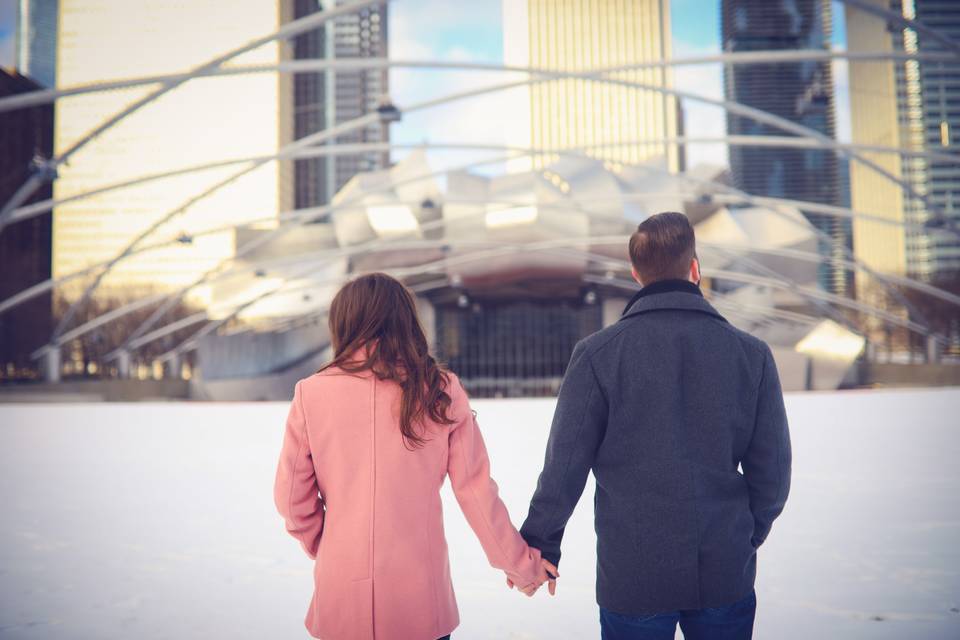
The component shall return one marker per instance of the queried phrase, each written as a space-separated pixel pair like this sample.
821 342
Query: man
664 406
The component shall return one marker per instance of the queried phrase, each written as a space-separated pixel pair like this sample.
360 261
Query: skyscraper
323 100
358 35
26 137
911 104
209 119
801 92
204 120
35 53
311 183
591 34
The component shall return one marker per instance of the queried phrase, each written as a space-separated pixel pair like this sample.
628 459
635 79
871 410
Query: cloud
841 97
6 50
467 32
700 119
8 23
452 32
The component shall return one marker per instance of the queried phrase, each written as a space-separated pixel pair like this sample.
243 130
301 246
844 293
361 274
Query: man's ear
636 276
695 271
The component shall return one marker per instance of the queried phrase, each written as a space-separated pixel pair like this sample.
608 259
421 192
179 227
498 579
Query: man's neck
664 286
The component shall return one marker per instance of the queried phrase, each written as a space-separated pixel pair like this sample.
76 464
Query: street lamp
387 111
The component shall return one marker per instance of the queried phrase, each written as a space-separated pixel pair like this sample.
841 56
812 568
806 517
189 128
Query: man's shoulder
749 340
609 337
601 339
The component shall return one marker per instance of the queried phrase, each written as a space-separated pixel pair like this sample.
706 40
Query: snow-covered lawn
157 521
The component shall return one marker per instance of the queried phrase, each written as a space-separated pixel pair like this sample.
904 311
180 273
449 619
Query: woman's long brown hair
376 315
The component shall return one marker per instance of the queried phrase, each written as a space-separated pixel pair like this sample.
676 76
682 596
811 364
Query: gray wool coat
665 407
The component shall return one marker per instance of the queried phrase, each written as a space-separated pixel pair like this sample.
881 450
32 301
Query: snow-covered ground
157 521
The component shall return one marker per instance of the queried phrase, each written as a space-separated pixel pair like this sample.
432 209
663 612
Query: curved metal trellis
506 250
37 208
305 24
47 285
732 106
289 30
782 283
314 65
601 75
279 231
299 219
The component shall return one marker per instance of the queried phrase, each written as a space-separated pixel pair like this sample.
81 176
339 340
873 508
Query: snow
157 521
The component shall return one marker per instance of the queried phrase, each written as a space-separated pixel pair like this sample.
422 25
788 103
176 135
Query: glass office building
35 52
26 135
801 92
359 35
579 113
205 120
323 100
913 104
309 110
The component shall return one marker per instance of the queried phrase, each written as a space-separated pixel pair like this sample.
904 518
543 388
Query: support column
123 364
51 365
174 367
934 349
428 320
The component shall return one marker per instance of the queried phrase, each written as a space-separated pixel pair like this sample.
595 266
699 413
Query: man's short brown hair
662 247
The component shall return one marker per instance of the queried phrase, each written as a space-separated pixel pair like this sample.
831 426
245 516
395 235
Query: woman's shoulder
334 371
452 383
332 377
459 399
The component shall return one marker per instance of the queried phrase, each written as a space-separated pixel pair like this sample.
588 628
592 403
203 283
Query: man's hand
548 570
552 575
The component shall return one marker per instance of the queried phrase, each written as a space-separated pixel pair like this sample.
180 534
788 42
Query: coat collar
669 294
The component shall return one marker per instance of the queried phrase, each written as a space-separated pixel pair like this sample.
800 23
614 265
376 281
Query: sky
471 32
7 21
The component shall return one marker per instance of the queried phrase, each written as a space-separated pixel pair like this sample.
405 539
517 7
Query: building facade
358 35
35 47
801 92
310 108
26 138
504 292
201 121
205 120
938 255
323 100
616 123
913 104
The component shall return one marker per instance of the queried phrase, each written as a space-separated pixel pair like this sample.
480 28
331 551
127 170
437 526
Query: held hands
548 574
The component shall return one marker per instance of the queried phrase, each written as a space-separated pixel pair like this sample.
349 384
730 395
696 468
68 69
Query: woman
368 442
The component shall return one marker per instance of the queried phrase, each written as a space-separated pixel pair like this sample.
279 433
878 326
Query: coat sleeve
579 424
766 464
469 469
295 491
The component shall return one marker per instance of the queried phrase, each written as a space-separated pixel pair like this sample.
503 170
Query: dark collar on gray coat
669 294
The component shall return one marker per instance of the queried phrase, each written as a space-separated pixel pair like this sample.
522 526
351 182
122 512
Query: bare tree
87 353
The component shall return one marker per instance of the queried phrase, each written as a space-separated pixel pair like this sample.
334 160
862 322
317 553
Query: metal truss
214 67
314 65
289 30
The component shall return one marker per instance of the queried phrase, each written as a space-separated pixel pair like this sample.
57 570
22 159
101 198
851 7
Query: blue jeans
733 622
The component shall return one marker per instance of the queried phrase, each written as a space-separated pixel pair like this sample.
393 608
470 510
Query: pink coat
367 509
